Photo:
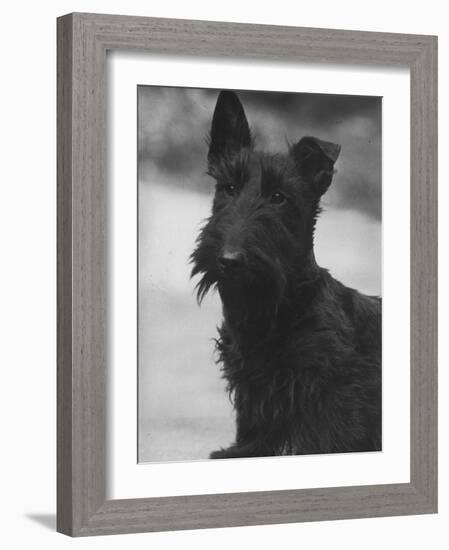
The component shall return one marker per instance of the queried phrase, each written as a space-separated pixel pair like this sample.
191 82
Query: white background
27 218
131 480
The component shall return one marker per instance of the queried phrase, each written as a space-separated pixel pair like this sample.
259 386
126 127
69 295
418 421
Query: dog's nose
230 260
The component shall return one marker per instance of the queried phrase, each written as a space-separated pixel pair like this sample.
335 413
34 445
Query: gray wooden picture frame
83 40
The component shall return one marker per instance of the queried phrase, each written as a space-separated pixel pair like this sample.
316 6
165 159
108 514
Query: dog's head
261 229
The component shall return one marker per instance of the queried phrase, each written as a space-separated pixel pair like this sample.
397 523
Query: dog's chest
263 372
296 368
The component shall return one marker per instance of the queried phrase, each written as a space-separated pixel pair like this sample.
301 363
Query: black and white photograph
220 288
259 274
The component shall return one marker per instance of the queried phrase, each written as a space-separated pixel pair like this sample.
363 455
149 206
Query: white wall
27 289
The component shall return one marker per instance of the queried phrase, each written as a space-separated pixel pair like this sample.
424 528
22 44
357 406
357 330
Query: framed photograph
247 282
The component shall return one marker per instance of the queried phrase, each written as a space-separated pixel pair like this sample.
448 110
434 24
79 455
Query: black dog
300 351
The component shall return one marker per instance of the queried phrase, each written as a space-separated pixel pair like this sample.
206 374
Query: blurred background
184 411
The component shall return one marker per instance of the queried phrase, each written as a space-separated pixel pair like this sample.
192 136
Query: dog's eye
277 198
230 190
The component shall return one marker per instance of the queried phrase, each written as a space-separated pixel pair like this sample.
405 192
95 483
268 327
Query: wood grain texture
64 277
83 40
423 291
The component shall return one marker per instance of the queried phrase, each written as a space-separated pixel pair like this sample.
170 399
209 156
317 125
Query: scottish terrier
301 352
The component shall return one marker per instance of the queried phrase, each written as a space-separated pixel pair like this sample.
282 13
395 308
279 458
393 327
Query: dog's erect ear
315 161
230 131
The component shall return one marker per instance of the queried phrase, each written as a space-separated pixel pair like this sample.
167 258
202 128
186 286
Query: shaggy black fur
300 351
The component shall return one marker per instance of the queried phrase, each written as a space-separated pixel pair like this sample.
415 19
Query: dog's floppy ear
315 161
230 131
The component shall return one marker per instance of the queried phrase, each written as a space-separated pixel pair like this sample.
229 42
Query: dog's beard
209 275
251 297
253 301
207 282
